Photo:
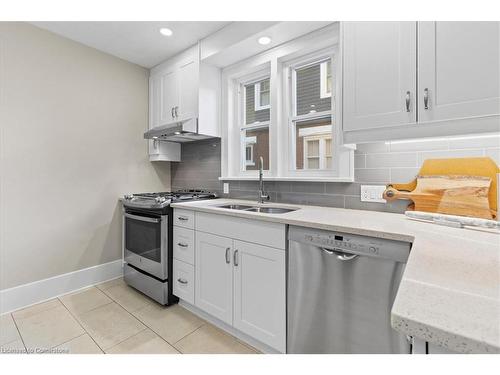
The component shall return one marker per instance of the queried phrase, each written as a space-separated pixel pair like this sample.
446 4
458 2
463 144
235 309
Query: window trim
323 83
257 92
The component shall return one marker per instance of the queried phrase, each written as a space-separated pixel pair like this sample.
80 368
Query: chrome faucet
262 195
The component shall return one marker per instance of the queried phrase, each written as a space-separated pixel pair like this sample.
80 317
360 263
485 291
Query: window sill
306 179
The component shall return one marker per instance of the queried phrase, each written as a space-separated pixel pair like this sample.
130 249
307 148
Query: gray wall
377 163
71 124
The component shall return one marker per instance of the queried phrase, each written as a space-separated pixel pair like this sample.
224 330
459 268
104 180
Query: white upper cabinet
188 79
459 70
169 96
379 74
425 79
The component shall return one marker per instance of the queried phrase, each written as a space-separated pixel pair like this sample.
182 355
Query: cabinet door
214 276
169 96
459 69
188 91
379 74
154 101
260 293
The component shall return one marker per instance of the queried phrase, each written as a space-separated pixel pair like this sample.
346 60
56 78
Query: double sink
264 210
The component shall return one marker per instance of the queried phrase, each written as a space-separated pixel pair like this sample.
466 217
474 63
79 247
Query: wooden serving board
452 195
481 166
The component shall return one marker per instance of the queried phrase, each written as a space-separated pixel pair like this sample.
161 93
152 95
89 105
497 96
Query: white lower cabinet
214 275
259 307
241 283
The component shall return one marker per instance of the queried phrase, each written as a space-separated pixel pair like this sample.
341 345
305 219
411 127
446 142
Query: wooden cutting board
480 166
452 195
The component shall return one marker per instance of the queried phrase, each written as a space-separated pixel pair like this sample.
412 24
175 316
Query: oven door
146 242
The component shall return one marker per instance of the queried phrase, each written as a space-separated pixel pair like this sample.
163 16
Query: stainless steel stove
147 240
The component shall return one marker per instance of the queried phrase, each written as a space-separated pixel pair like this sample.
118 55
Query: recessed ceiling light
166 31
264 40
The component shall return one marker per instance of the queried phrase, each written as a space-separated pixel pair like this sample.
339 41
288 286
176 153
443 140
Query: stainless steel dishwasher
341 288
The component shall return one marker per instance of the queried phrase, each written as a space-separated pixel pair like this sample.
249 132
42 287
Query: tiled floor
112 318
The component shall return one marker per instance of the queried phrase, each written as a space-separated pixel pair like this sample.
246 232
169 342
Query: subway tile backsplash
374 163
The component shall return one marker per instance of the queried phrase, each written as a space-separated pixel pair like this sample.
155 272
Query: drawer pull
182 218
235 256
182 244
182 281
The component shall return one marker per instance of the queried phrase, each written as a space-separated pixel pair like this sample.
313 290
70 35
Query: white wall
71 144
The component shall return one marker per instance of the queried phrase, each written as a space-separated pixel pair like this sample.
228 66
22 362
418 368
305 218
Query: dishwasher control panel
351 243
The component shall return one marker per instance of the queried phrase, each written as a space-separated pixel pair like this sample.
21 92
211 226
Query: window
255 123
279 105
311 117
262 95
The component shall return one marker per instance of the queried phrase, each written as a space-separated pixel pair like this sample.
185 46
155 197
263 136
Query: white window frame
275 62
242 126
290 68
324 93
257 105
322 156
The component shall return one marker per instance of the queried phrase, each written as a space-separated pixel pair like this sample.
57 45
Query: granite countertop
450 291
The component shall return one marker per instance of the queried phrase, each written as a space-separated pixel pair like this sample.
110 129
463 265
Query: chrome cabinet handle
228 256
182 218
182 281
172 112
235 258
175 111
407 101
182 244
426 98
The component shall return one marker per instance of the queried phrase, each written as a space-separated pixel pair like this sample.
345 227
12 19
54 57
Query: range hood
182 131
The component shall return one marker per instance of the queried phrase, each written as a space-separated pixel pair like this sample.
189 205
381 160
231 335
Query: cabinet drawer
183 281
184 244
255 231
184 218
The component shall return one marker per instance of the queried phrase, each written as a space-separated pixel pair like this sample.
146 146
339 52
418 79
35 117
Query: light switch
226 187
372 193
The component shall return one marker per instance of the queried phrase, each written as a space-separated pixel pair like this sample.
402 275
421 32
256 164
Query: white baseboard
264 348
28 294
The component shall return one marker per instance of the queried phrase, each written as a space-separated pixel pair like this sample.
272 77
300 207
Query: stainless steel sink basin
264 210
235 206
271 210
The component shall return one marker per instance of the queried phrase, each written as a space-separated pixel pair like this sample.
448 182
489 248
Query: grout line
81 325
135 334
190 333
18 332
65 342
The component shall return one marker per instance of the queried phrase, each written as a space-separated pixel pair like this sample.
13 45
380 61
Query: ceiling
137 42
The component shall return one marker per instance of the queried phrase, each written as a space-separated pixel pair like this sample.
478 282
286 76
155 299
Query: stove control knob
160 199
128 196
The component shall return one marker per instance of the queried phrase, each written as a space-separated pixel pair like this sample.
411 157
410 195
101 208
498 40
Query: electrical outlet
226 187
372 193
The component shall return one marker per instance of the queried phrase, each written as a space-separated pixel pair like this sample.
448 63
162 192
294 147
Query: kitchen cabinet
239 278
419 79
379 78
459 70
259 293
184 91
214 275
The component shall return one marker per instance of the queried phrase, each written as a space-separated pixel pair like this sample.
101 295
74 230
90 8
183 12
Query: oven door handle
143 218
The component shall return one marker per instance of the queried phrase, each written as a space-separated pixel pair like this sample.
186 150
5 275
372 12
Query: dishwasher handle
340 254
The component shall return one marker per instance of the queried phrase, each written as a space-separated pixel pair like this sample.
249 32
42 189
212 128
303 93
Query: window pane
312 138
255 143
308 95
253 111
